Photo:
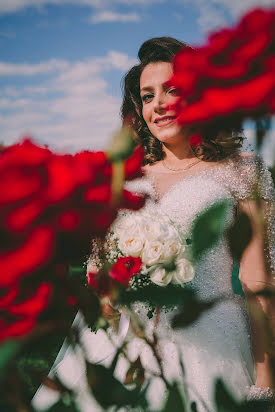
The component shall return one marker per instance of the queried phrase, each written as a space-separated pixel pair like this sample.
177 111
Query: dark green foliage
37 358
5 407
190 311
77 271
62 406
171 295
100 378
175 401
236 283
7 351
224 400
239 235
208 228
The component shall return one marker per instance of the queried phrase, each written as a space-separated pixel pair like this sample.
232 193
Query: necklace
191 164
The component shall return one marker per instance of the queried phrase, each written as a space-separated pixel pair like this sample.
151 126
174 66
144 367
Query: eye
147 97
174 91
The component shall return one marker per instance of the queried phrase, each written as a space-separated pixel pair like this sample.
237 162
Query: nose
160 103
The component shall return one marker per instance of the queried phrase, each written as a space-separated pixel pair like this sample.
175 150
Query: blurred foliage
208 228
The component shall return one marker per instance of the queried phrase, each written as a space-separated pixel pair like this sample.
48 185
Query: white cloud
214 13
12 69
12 6
68 106
111 17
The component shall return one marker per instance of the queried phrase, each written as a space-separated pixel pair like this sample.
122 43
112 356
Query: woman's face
156 98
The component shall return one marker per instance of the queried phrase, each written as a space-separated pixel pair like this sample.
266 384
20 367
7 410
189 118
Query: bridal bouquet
153 247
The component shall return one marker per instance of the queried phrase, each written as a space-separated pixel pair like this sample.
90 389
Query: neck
176 154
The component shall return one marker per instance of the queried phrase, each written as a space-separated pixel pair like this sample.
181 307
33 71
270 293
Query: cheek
144 114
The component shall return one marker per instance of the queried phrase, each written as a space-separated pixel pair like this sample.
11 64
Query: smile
164 121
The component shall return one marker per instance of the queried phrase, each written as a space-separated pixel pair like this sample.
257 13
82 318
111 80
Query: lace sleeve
252 180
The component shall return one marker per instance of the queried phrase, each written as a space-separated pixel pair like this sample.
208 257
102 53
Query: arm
258 284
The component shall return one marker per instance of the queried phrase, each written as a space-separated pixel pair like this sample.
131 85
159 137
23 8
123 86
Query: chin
169 135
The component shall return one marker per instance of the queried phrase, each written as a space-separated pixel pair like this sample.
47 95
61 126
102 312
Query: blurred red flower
232 76
18 317
50 207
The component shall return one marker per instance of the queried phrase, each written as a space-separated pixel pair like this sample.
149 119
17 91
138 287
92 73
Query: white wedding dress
218 343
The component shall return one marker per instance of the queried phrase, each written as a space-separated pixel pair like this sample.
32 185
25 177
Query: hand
110 313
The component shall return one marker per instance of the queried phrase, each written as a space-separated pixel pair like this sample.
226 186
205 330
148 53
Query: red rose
100 282
232 76
132 164
124 269
195 139
35 252
19 317
50 207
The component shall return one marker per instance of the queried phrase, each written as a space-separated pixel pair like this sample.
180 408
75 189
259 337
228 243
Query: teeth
164 119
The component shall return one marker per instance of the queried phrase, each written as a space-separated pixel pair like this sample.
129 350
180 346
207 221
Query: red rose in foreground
50 207
231 77
19 317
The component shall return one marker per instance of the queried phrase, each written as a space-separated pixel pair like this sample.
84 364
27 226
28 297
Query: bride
183 180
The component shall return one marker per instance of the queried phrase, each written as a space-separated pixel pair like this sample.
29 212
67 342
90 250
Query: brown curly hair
217 144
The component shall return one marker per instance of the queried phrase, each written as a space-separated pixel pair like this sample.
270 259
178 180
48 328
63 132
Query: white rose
184 271
152 253
131 245
151 229
160 276
172 248
129 224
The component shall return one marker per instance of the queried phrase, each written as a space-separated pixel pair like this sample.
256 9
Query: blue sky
62 61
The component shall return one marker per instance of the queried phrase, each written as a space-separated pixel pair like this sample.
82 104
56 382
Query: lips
165 120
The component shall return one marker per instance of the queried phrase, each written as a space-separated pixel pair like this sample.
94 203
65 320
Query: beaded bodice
236 179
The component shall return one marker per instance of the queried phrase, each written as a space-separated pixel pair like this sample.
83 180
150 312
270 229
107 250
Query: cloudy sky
62 61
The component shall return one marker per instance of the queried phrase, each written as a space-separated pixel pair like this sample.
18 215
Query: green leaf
171 295
236 283
78 271
239 235
122 145
63 406
175 401
7 407
99 378
190 311
208 228
224 400
257 406
8 350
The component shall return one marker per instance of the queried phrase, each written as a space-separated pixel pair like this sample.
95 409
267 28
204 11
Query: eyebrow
146 89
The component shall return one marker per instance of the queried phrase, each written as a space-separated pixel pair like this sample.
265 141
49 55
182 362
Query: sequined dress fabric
218 344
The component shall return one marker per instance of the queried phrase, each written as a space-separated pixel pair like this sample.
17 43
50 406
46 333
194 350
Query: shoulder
251 176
